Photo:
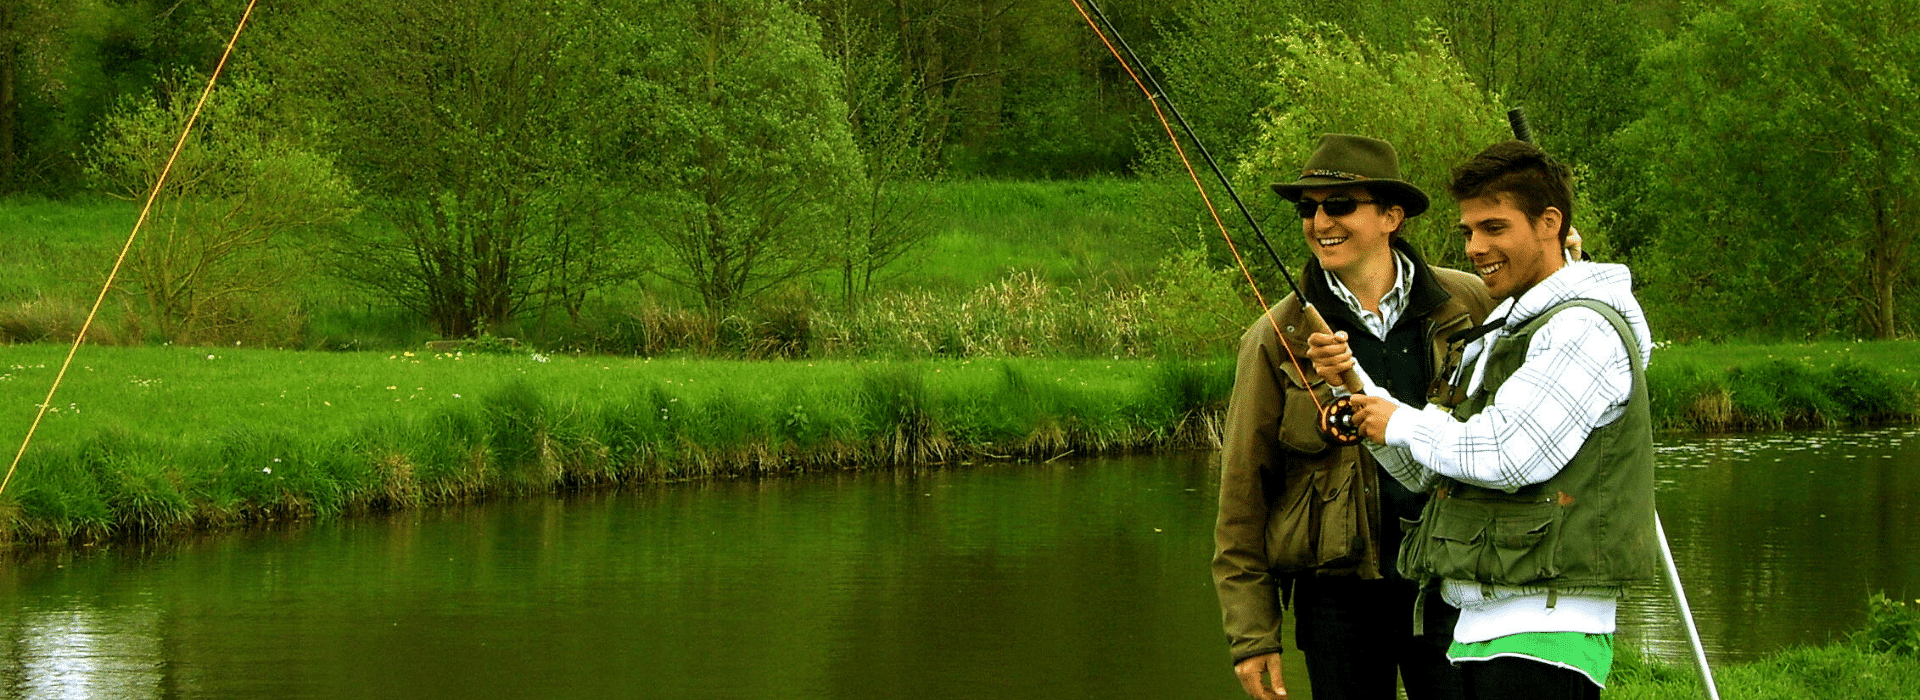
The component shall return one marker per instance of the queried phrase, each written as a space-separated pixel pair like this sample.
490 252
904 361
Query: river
1063 580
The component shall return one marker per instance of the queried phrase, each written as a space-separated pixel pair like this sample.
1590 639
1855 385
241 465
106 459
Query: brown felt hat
1343 160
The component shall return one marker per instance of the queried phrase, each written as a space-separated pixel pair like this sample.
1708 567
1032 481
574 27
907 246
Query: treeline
1757 161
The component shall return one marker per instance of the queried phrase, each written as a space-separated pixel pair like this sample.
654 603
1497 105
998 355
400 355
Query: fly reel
1336 422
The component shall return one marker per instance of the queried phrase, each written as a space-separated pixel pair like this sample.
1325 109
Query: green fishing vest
1589 525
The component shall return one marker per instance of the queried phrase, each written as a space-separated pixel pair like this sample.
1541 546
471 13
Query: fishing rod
1336 416
1517 118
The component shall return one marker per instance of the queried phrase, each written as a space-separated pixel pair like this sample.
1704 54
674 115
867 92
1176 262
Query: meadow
1039 321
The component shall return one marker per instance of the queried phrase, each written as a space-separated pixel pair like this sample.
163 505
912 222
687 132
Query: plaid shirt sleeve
1575 378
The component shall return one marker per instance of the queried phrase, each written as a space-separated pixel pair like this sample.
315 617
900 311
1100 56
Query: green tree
486 137
35 36
1781 159
1323 80
745 160
888 112
214 260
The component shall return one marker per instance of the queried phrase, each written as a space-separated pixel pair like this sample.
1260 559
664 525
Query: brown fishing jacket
1291 504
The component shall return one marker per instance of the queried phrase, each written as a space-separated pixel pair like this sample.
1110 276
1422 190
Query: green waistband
1590 654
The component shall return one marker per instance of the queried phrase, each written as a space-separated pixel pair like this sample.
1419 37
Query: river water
1064 580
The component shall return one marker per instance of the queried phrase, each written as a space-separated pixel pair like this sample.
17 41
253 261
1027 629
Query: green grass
1838 672
151 440
1878 662
1069 233
60 249
1082 239
1723 387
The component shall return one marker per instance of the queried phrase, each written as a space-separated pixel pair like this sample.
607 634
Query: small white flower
268 470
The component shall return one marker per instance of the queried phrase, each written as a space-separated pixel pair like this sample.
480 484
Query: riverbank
153 441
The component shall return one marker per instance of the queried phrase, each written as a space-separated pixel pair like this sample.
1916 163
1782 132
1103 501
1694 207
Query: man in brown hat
1302 515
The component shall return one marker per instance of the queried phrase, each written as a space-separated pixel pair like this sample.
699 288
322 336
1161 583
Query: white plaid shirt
1575 378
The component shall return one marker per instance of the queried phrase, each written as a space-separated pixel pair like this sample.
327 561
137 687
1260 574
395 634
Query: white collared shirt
1392 304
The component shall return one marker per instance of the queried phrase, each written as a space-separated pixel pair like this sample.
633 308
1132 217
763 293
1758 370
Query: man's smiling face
1510 252
1348 242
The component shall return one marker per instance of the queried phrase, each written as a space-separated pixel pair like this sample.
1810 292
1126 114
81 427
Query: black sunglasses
1336 206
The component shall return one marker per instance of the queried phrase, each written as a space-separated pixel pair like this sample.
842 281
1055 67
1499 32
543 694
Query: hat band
1336 174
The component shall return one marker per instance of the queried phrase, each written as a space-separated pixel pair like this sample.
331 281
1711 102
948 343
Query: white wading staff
1518 120
1686 613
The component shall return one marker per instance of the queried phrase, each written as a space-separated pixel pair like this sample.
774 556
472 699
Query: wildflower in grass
392 388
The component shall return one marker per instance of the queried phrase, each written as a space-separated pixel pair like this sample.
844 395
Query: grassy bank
157 440
1770 387
1879 662
162 439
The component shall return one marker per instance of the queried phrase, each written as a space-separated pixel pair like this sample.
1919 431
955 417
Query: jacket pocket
1300 415
1315 524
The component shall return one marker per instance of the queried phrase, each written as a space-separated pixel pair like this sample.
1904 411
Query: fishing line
178 145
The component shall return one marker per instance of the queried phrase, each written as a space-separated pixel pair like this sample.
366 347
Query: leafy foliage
1893 626
745 157
482 135
1783 169
1324 80
215 254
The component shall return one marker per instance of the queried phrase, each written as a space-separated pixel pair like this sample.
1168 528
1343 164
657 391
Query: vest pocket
1504 543
1522 550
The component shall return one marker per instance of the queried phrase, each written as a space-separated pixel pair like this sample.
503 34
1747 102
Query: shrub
1893 626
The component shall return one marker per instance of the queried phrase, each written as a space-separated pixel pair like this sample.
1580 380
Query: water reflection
1780 538
84 652
1005 581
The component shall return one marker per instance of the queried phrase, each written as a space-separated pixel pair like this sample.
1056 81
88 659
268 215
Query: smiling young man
1538 454
1298 513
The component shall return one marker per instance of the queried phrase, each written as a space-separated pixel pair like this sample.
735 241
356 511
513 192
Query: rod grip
1517 118
1318 324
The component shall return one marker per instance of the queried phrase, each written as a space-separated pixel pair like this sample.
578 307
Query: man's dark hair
1520 169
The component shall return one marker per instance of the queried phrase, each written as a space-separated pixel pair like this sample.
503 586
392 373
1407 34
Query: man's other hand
1253 672
1370 415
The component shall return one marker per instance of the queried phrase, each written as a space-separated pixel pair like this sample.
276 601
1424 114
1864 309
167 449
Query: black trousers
1509 678
1358 636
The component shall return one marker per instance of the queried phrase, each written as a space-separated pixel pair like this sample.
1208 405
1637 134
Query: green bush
1893 626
